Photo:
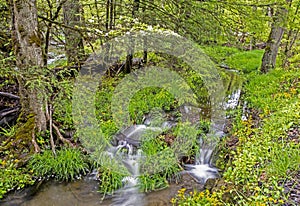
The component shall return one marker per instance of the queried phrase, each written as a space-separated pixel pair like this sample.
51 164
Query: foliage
68 164
219 54
9 132
265 155
12 178
103 106
110 180
62 103
152 182
213 23
147 99
196 198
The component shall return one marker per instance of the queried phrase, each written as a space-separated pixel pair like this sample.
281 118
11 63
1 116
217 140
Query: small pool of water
85 193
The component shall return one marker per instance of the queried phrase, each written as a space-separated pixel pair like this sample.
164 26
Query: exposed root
49 117
37 149
9 95
60 136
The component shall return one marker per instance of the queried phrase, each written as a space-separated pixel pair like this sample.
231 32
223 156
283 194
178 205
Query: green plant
62 103
110 180
147 99
196 198
246 61
265 155
66 165
219 54
10 132
12 178
152 182
285 159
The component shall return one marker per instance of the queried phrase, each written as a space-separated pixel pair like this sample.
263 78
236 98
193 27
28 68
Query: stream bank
85 192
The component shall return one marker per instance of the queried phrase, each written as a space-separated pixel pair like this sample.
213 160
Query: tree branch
9 95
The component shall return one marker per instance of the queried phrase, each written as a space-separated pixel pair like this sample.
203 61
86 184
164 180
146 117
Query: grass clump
68 164
110 180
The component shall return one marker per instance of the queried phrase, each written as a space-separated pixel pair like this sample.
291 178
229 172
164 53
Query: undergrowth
264 155
68 164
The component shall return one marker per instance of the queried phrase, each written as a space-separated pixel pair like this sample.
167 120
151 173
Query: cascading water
130 140
126 145
203 169
130 194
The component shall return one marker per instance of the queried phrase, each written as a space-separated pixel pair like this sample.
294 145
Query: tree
74 42
274 39
130 52
27 43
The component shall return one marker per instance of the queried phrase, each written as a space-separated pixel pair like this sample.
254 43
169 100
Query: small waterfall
129 139
203 168
130 194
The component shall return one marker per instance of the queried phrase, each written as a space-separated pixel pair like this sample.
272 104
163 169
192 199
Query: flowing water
126 144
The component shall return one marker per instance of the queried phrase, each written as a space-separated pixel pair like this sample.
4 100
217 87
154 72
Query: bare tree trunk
111 19
27 43
129 57
291 39
107 15
74 43
292 36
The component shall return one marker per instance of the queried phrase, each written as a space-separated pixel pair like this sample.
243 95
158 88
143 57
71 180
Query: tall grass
67 165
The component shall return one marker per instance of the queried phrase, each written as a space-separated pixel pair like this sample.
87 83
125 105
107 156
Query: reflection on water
85 193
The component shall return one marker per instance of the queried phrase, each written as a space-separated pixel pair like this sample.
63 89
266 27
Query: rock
210 184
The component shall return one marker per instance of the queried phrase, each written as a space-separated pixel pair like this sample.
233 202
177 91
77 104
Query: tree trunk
28 50
74 43
271 51
274 39
130 52
107 15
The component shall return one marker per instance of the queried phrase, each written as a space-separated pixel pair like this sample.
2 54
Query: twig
226 67
12 110
9 95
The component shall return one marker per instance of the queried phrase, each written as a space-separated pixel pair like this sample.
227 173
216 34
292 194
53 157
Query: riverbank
260 157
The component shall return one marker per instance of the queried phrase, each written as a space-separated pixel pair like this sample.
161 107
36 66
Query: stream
84 192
